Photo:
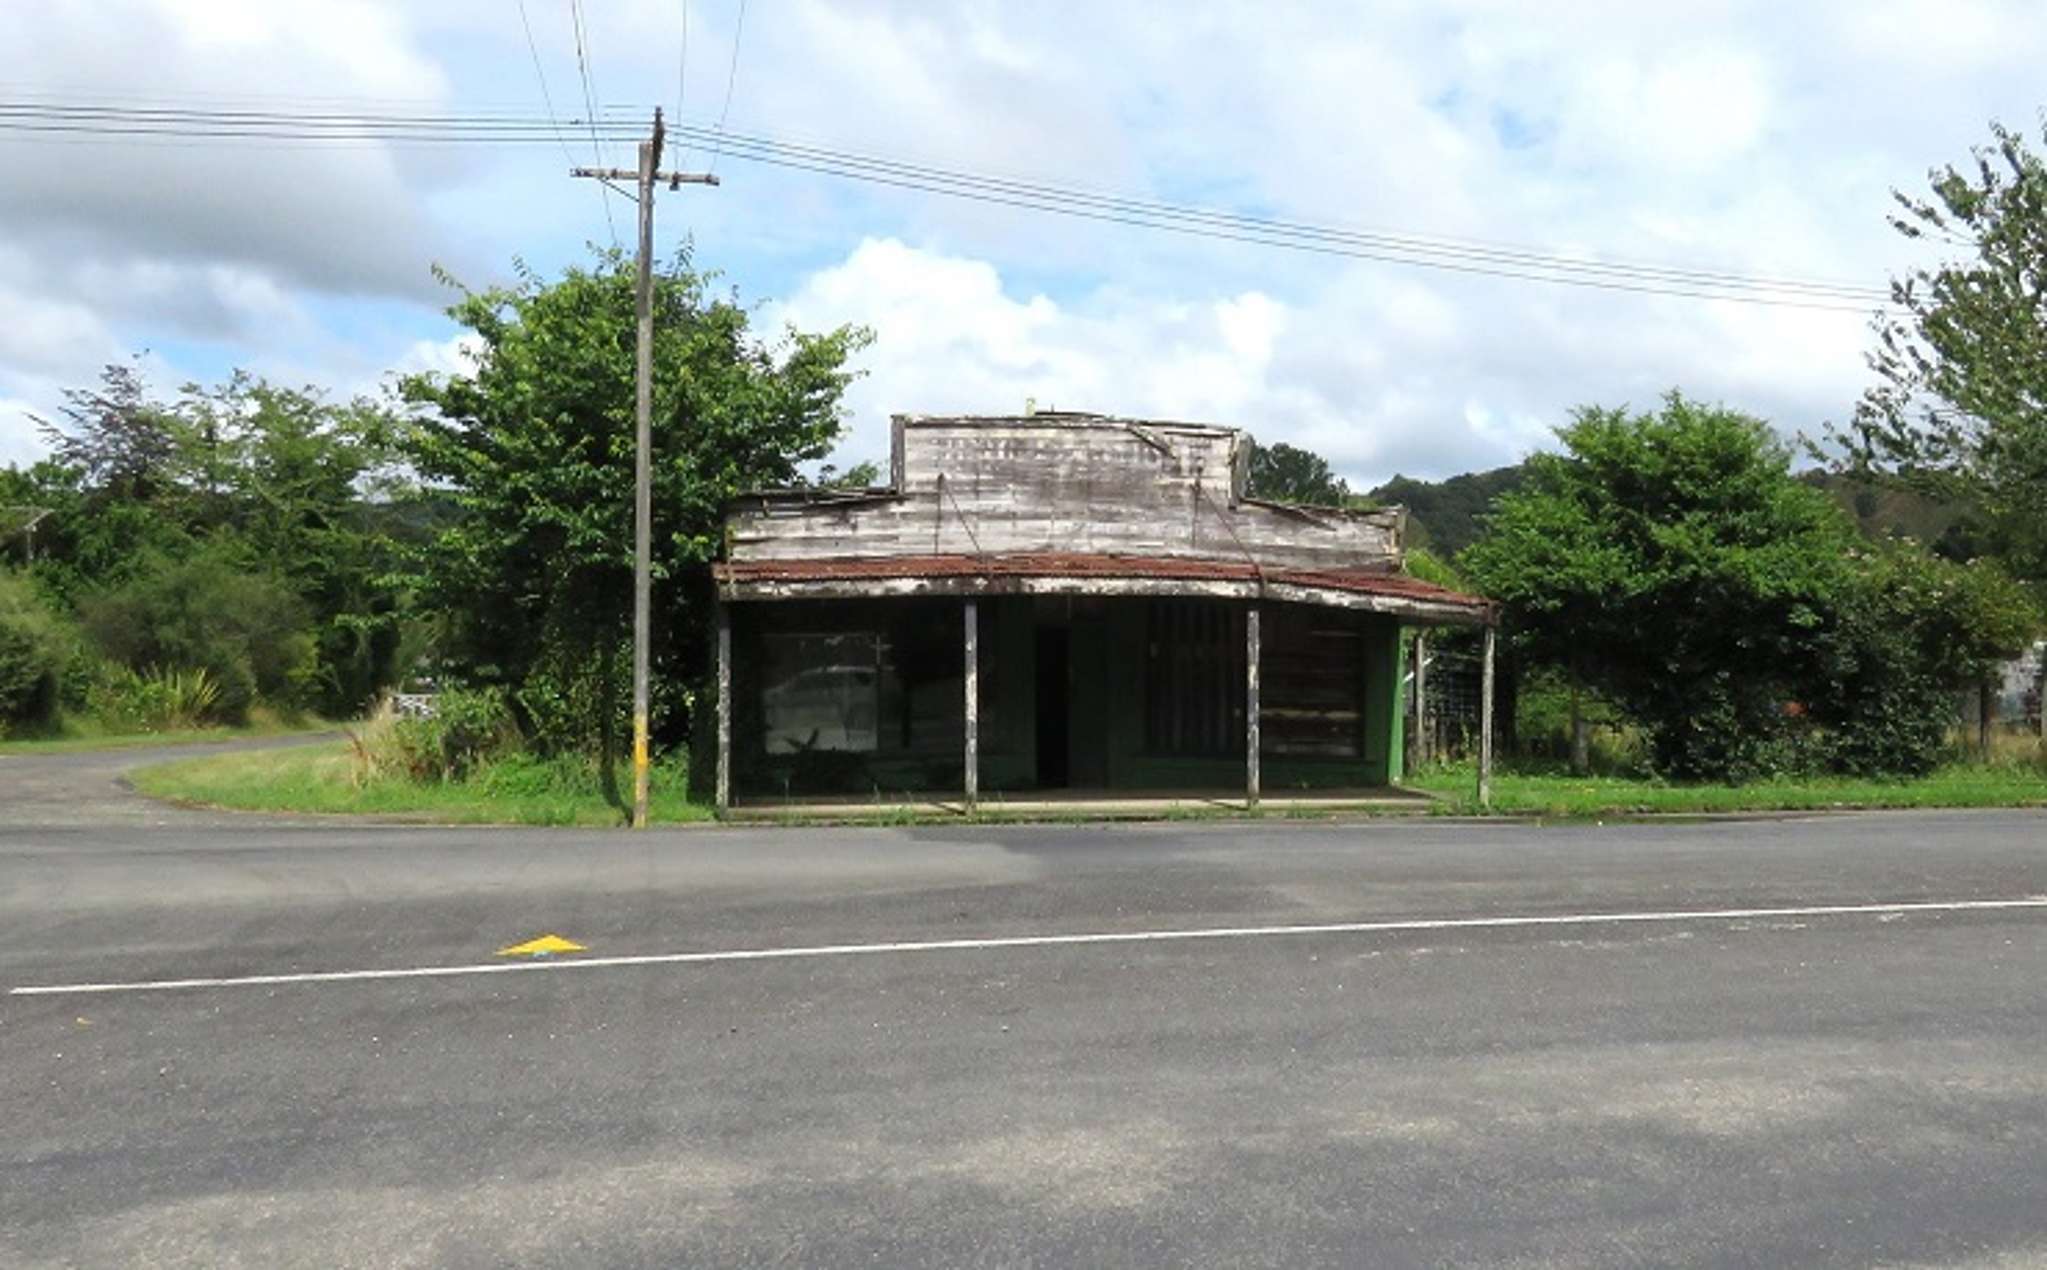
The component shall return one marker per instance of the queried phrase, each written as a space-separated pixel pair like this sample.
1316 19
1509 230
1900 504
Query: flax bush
158 699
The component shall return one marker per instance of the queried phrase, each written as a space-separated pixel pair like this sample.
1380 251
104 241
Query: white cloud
18 443
1379 379
1747 136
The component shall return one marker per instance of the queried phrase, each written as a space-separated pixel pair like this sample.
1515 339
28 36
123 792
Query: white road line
1039 941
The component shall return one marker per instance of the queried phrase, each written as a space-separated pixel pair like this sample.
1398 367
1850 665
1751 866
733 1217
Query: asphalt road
1782 1088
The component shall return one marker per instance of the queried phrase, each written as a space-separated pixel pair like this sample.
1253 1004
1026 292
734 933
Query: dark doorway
1052 679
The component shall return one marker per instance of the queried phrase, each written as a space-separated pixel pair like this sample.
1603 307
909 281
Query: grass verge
2001 785
321 779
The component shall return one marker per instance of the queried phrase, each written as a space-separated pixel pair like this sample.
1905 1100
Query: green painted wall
1383 715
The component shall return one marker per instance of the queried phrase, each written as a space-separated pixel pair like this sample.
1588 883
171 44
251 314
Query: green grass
80 737
1999 785
320 779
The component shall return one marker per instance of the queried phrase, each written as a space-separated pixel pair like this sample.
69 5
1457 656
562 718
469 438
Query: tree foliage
278 486
1288 474
1912 631
534 444
1672 562
247 630
34 647
1960 404
114 435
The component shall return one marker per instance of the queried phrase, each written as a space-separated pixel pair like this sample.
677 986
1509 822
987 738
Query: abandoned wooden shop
1061 602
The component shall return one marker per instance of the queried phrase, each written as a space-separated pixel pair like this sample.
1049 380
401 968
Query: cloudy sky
1754 138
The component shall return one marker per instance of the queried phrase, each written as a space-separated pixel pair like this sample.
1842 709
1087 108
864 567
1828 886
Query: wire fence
1447 726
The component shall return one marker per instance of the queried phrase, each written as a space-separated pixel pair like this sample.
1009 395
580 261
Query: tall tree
265 482
534 443
1673 562
1960 406
304 486
119 439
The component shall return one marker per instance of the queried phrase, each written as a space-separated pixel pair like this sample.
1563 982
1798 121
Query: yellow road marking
544 946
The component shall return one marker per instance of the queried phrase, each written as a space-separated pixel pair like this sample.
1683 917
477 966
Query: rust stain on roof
1065 564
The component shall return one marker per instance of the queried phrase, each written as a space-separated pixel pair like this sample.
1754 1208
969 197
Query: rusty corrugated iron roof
1069 564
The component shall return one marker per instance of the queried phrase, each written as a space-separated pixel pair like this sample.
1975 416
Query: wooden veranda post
973 689
1421 700
1251 741
1485 723
724 709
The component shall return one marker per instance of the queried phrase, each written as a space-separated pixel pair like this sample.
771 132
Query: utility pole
645 178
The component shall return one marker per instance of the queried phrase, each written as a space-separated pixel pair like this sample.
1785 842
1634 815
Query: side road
89 787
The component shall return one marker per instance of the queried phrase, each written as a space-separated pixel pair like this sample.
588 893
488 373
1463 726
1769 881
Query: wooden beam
973 678
1251 741
1417 612
1485 723
724 709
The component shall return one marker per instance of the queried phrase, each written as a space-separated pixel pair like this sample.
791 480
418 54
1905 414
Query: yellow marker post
544 946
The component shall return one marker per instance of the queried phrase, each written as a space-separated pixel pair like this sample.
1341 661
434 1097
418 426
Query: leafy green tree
1959 409
249 631
118 438
1913 632
34 647
1288 474
111 469
274 482
1672 561
291 482
534 444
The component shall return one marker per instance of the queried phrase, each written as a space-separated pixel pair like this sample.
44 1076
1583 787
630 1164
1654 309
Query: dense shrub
468 731
1911 634
574 698
35 648
249 632
1673 563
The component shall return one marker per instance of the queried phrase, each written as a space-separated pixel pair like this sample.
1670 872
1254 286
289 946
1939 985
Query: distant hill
1444 515
1881 511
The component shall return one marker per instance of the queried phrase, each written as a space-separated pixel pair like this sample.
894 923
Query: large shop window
1194 679
1311 682
821 692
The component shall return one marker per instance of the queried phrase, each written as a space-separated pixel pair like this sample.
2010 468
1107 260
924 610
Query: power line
1003 190
539 73
1461 256
502 126
590 108
731 79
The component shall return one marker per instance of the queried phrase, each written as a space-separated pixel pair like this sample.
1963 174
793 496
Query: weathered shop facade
1061 602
